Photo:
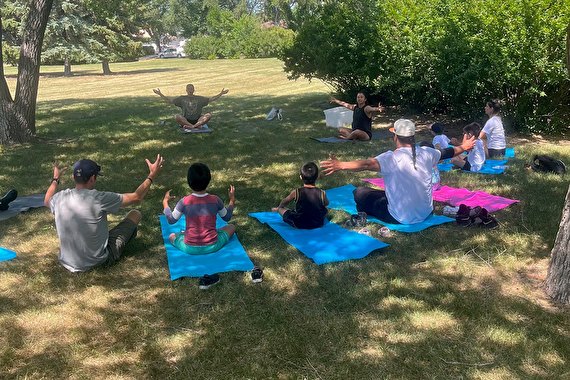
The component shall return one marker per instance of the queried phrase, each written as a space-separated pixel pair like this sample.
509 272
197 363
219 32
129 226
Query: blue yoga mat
341 198
489 167
509 152
6 254
204 129
327 244
231 257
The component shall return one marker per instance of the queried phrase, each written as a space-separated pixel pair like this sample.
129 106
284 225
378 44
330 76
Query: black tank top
361 121
310 207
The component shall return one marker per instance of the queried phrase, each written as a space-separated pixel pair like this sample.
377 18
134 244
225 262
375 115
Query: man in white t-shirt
407 173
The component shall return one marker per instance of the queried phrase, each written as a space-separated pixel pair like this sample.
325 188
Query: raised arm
165 98
223 92
369 109
465 146
334 165
57 172
167 197
232 195
226 213
171 217
332 99
140 192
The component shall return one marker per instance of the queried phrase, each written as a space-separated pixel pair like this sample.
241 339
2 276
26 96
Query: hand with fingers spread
167 197
57 172
155 166
468 143
331 166
232 195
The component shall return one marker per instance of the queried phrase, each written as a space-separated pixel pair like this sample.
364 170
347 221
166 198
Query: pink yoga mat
456 197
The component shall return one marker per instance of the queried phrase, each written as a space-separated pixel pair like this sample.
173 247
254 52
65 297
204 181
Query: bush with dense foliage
443 55
230 38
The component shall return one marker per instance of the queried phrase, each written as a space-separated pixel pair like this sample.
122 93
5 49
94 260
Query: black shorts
295 220
496 152
466 165
374 203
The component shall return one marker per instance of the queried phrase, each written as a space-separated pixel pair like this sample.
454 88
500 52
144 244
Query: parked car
170 53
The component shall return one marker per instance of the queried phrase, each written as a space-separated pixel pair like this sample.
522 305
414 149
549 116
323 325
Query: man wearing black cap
81 216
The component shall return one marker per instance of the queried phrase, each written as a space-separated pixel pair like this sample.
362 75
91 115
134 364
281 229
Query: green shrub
148 50
228 38
443 55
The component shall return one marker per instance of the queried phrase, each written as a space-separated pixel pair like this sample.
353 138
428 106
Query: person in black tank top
361 118
311 202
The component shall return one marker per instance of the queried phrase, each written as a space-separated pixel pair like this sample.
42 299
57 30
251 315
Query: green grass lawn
444 303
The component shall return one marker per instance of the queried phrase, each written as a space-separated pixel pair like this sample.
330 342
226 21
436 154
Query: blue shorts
223 239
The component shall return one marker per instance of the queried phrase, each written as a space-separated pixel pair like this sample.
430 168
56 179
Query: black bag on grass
548 164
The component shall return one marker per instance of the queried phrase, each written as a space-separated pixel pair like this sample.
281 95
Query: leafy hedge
443 55
230 38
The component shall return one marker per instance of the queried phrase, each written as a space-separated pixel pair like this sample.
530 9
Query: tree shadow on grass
366 319
395 314
93 73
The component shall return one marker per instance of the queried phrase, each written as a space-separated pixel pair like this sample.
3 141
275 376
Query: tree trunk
557 283
18 116
568 49
106 68
66 67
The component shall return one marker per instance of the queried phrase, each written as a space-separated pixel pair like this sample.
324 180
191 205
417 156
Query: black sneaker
358 220
475 215
257 275
207 281
462 217
9 197
488 220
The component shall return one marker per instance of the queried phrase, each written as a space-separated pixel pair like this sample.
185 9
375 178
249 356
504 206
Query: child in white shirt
440 141
476 158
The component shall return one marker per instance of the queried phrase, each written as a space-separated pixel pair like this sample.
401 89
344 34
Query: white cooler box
338 117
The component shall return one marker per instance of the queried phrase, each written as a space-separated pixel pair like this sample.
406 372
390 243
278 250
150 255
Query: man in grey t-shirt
191 107
81 216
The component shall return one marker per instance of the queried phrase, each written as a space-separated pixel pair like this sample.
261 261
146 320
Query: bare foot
275 209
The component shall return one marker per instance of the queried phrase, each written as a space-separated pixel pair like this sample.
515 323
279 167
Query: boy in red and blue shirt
200 210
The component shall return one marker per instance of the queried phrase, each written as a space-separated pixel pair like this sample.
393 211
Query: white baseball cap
404 128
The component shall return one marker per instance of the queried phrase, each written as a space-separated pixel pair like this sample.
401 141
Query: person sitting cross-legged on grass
476 158
191 105
407 173
361 118
81 216
200 209
311 202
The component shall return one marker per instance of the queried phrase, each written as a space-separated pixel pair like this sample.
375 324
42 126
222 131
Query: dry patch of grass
444 303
